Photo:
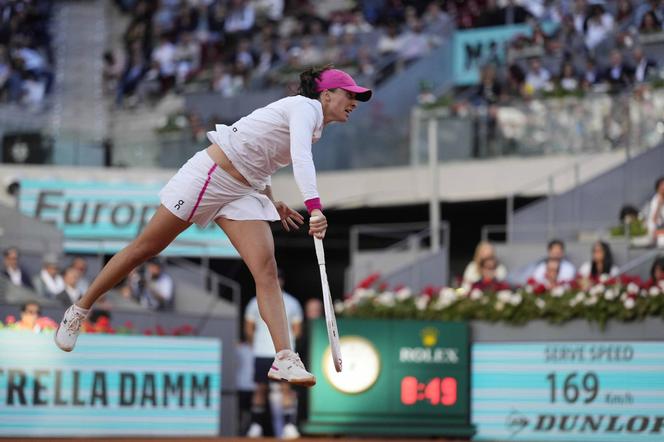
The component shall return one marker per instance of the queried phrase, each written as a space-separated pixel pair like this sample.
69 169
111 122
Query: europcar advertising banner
568 391
475 47
109 385
104 216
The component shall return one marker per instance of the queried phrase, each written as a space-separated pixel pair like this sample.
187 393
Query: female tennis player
229 183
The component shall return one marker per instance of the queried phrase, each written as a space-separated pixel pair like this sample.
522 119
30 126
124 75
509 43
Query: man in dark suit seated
644 68
13 271
618 74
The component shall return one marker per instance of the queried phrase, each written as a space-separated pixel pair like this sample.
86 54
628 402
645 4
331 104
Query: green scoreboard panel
399 378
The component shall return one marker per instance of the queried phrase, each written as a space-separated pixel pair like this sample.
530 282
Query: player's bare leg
253 240
160 231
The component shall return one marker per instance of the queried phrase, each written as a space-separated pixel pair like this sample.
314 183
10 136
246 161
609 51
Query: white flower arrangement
620 299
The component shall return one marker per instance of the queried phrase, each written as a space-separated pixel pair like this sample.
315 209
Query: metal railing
597 122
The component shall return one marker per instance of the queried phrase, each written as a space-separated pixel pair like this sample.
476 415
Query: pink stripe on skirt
202 192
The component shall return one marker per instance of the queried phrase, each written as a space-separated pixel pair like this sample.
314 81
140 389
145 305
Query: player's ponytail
308 81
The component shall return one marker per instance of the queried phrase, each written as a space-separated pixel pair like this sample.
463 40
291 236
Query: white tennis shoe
290 432
255 431
288 366
69 328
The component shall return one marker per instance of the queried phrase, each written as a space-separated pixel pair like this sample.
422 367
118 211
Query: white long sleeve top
272 137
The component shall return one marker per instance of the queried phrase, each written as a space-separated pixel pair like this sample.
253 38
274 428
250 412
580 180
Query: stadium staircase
79 119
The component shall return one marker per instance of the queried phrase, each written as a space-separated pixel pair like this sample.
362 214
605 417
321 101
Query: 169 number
573 386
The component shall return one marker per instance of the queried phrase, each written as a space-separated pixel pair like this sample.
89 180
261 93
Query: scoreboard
399 377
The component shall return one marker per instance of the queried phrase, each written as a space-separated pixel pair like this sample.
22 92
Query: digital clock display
436 391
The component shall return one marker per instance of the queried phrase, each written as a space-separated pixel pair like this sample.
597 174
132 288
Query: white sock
282 354
81 310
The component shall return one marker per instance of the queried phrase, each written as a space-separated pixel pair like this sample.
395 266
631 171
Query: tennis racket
330 317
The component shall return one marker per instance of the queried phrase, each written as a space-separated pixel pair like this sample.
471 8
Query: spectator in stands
644 68
357 24
153 290
516 80
257 333
5 72
597 26
223 81
34 63
579 15
601 263
514 13
240 19
490 15
483 251
163 58
347 50
538 77
390 42
511 14
657 271
134 72
266 60
311 54
617 74
365 62
415 43
628 215
567 40
650 24
555 260
624 13
655 220
111 72
187 58
49 283
30 312
34 91
436 21
81 264
591 75
489 280
71 292
12 269
552 274
568 80
649 6
489 91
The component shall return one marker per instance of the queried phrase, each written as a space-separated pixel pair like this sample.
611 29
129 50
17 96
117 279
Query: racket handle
320 252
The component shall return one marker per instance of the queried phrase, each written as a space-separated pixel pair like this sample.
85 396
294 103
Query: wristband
312 204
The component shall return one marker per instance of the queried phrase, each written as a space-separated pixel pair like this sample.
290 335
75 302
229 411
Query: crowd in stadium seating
150 287
592 45
486 273
229 46
26 51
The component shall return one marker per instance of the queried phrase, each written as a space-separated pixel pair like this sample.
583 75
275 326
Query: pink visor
335 78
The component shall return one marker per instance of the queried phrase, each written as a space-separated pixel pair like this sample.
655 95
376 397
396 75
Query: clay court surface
224 439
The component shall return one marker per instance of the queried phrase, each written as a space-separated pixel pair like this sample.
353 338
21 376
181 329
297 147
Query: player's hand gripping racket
330 318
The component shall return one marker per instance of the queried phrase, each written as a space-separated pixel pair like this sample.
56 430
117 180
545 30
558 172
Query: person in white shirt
555 252
600 264
538 76
257 332
49 283
655 221
230 183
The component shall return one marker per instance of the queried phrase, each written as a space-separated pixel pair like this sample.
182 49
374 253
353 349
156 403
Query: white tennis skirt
201 192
